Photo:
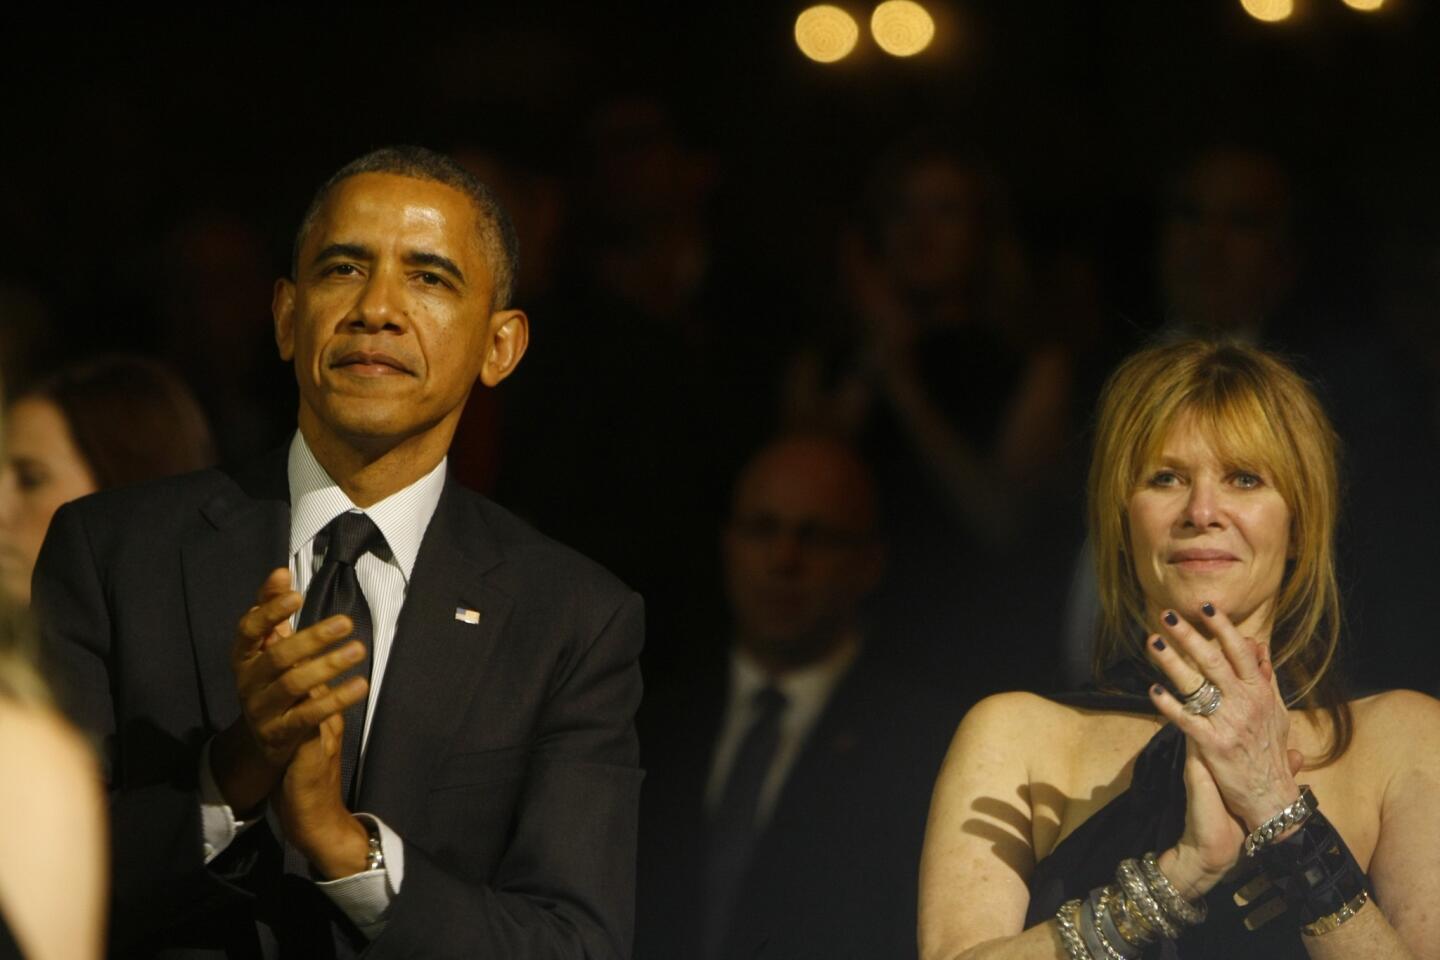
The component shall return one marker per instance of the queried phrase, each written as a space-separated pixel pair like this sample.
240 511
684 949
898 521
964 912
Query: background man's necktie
732 828
336 589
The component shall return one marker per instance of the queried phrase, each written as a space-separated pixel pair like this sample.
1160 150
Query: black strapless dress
1150 815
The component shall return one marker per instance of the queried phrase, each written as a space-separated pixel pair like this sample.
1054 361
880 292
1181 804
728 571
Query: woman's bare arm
1403 729
52 837
979 854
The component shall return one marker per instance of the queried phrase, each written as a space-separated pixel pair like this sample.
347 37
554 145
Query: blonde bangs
1238 426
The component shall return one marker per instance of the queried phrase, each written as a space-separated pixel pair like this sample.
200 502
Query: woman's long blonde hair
1259 413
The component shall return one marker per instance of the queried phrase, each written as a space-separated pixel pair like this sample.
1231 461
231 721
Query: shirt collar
810 685
402 517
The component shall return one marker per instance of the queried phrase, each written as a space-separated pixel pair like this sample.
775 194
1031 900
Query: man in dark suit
417 740
788 787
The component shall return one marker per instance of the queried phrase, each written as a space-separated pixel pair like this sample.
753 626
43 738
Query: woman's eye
29 476
1246 480
1164 478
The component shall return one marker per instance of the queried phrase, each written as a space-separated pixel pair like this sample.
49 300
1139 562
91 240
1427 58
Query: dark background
155 166
120 127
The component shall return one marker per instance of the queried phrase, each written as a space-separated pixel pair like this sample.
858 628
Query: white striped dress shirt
402 517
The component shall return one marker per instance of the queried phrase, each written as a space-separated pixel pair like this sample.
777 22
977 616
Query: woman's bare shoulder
1381 716
1022 730
1400 724
1021 713
1020 705
1396 740
1388 701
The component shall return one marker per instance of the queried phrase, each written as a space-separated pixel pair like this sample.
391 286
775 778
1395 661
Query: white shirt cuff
218 826
365 897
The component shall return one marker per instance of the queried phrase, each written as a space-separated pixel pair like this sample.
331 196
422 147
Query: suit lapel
436 658
245 535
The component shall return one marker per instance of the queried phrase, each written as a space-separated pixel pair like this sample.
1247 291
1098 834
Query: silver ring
1204 701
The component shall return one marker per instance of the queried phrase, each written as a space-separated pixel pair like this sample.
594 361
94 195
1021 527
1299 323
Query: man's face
799 550
389 319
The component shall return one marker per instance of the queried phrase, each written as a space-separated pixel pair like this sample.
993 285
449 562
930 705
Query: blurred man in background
789 786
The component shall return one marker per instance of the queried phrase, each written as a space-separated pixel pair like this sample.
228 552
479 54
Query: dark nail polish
1157 689
1158 644
1207 608
1170 618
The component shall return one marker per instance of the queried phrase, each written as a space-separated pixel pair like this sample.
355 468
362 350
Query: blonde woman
1221 797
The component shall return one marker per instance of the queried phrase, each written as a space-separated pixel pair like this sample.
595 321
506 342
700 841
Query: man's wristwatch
375 854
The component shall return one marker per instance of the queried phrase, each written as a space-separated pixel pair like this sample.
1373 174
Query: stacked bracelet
1133 881
1118 921
1067 918
1129 922
1175 904
1099 929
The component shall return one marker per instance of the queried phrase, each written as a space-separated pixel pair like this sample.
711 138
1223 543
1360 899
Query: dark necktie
335 590
733 828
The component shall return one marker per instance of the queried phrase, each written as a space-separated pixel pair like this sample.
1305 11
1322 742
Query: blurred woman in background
52 815
104 423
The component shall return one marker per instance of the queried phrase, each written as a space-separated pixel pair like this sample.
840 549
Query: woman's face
42 470
1202 529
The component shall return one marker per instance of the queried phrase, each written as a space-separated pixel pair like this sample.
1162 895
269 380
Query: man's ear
282 308
509 336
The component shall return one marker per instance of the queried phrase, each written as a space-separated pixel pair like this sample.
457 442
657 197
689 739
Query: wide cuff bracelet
1315 870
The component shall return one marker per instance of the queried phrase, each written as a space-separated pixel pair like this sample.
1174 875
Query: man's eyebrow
424 258
354 251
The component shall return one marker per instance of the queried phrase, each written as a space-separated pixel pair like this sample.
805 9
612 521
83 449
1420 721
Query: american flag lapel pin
465 615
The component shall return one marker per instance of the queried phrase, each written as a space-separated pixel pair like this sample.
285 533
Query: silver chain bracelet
1292 816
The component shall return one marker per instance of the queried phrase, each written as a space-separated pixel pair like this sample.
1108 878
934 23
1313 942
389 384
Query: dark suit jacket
503 753
835 871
